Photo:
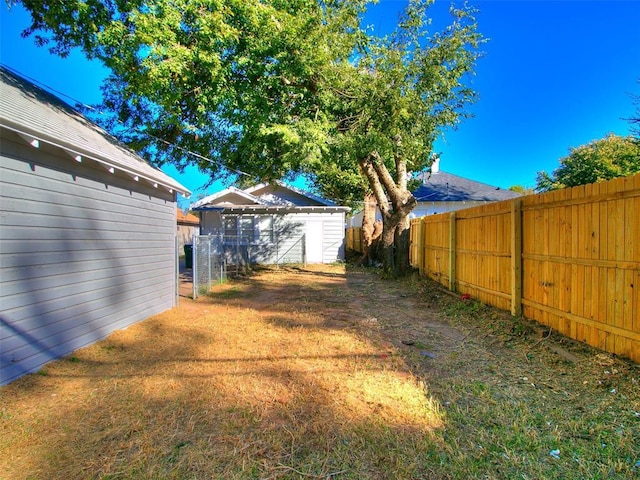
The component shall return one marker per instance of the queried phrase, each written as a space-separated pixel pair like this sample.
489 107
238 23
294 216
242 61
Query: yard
326 373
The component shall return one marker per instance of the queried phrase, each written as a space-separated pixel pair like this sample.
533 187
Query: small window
266 229
231 229
247 229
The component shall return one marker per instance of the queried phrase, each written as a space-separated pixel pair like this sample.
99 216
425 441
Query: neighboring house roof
446 187
39 116
276 197
187 218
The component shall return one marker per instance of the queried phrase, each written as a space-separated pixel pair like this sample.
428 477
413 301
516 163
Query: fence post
194 265
452 251
516 257
177 267
304 249
209 260
420 245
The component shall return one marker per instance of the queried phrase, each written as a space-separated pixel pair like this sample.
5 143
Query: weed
464 307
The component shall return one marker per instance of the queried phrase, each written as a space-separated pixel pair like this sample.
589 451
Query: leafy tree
389 104
276 87
521 189
234 81
604 159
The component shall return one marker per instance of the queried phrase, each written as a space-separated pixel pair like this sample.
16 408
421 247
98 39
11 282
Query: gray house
87 231
275 223
441 192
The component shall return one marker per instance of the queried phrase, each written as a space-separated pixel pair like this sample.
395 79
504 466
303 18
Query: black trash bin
188 256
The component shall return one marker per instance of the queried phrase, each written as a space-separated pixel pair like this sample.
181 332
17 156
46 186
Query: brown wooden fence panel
483 253
569 259
431 255
581 264
354 239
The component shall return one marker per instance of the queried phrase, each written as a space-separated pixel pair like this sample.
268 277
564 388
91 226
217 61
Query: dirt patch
322 373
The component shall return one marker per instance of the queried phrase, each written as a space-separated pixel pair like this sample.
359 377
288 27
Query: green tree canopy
391 102
276 87
522 189
604 159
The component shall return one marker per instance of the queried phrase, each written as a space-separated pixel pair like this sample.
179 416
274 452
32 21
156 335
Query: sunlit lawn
290 375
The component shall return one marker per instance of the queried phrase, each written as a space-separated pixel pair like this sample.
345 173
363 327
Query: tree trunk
395 203
387 248
371 229
402 242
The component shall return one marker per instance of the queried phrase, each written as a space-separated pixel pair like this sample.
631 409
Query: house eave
272 209
107 162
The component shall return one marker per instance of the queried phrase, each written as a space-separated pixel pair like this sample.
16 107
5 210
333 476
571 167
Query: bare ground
322 373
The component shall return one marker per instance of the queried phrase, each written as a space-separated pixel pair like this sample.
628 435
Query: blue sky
555 75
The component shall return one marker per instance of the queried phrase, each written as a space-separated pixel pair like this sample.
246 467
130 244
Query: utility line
58 93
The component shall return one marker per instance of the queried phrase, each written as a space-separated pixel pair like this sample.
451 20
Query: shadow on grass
219 390
306 377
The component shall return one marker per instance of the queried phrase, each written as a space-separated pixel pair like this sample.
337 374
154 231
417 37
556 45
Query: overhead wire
84 105
58 93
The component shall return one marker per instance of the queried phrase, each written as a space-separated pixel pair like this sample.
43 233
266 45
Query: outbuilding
273 223
87 231
188 226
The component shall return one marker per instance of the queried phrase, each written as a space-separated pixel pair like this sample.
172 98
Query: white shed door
313 241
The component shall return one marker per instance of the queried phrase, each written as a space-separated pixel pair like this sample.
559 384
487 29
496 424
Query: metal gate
209 266
217 254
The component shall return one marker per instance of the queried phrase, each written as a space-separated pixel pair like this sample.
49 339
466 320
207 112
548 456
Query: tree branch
367 166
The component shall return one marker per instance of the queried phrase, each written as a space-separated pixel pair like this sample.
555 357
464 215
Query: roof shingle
446 187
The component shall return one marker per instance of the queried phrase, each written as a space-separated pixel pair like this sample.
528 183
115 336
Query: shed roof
266 198
446 187
39 116
228 196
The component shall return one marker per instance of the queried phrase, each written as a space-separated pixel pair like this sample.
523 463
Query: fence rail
569 259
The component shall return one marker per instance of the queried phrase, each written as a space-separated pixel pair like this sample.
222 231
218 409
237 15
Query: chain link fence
209 266
217 255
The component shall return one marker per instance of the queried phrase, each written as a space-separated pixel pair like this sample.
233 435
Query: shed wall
290 227
82 253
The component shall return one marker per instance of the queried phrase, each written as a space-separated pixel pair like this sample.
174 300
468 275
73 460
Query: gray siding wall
422 210
82 253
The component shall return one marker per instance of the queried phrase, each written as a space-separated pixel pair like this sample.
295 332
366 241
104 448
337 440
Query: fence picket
579 256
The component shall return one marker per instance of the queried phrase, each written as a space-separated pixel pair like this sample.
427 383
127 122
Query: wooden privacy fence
354 240
569 259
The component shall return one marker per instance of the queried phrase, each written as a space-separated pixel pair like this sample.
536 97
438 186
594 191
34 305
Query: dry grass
307 374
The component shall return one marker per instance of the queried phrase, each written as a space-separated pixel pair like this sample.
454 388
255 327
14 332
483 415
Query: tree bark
371 229
402 242
395 209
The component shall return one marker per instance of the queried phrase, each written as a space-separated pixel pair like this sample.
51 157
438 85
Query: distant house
270 222
445 192
188 226
87 229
